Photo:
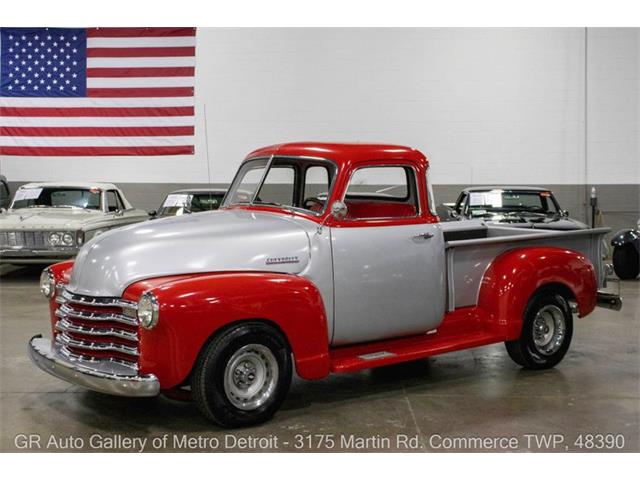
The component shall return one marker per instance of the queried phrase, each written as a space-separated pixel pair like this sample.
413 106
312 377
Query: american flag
97 91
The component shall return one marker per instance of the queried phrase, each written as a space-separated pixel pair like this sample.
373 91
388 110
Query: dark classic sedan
526 207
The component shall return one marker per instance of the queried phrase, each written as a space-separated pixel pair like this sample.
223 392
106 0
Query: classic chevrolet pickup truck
326 258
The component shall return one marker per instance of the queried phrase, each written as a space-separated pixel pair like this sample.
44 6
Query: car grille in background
97 329
22 239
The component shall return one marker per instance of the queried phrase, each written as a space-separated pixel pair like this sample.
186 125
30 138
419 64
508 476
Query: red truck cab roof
345 154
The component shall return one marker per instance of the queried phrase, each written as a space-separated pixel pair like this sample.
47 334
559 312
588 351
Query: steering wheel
311 201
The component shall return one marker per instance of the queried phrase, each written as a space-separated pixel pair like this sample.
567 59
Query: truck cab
326 258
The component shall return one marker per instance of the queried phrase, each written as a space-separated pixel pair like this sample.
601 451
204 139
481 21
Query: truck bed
471 247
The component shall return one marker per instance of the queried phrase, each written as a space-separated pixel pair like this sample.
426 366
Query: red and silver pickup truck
326 258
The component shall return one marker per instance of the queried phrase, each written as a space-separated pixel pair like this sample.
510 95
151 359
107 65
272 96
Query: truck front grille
97 329
22 238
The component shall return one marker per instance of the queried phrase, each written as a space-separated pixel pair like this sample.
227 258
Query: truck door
388 262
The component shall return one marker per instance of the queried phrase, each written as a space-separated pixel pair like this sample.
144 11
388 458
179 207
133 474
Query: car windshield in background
296 183
56 197
179 203
508 201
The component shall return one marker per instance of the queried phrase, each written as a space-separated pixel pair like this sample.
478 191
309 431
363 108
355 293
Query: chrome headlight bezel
148 310
47 283
54 238
67 239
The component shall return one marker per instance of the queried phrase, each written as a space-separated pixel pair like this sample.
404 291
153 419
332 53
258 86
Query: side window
382 192
316 188
113 201
278 187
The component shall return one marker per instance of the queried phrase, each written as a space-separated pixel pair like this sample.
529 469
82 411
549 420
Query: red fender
194 307
515 275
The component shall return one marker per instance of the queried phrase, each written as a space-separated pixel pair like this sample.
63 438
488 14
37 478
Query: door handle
423 236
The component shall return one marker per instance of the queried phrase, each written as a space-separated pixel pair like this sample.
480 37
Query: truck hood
217 241
48 219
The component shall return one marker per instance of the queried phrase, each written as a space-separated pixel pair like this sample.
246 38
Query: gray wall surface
558 107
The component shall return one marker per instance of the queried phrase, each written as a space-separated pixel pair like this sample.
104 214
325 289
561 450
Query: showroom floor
474 393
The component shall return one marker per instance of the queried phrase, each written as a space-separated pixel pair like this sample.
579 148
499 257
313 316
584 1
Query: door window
382 192
113 201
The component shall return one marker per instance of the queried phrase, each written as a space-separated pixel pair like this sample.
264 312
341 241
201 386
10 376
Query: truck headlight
47 283
148 310
54 238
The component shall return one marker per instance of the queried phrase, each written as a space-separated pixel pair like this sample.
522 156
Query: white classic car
49 222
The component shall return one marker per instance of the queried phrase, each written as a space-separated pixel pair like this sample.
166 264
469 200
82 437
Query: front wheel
546 332
242 376
626 262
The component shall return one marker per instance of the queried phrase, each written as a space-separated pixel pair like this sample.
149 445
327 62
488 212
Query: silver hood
223 240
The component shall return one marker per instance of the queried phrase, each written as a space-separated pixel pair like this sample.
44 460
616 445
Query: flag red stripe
96 151
95 131
140 92
141 32
142 52
98 112
101 72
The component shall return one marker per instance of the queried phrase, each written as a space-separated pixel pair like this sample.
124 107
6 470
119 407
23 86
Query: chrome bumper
50 359
23 256
608 300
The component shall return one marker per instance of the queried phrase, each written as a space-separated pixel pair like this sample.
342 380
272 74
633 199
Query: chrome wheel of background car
548 329
251 376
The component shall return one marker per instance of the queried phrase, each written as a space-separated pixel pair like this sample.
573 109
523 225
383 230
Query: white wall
486 105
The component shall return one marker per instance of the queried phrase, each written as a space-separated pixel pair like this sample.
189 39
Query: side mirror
152 213
453 214
118 213
564 213
339 210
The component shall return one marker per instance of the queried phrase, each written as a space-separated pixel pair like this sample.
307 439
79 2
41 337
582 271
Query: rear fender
514 276
193 309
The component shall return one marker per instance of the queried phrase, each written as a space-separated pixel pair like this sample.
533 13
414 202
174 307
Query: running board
388 352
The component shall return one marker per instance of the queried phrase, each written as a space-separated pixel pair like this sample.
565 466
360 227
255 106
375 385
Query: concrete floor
467 395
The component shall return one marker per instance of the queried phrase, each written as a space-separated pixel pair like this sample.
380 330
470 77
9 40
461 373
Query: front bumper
26 256
49 358
608 300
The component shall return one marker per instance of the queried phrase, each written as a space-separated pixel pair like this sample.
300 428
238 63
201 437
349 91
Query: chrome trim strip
66 311
64 325
48 359
66 340
96 301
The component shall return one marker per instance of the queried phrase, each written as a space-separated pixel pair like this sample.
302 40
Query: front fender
515 275
628 235
194 308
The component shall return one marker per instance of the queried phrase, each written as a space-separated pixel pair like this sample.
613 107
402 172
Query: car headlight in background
148 310
61 239
47 283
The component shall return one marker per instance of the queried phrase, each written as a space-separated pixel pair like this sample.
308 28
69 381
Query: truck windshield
287 182
492 202
59 197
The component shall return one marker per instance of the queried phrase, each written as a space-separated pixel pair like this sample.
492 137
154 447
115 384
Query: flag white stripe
139 62
95 141
140 82
140 42
97 121
34 102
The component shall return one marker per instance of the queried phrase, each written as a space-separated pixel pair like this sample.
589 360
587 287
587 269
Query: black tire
626 262
253 341
530 350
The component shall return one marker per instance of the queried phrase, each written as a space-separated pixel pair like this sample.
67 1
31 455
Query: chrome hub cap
251 376
549 329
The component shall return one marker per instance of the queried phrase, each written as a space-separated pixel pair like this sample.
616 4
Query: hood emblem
282 260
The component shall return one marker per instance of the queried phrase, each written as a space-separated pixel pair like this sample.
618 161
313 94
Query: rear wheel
242 376
626 262
546 332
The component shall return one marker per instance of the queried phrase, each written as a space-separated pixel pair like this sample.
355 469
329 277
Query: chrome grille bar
96 346
65 325
66 296
64 311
